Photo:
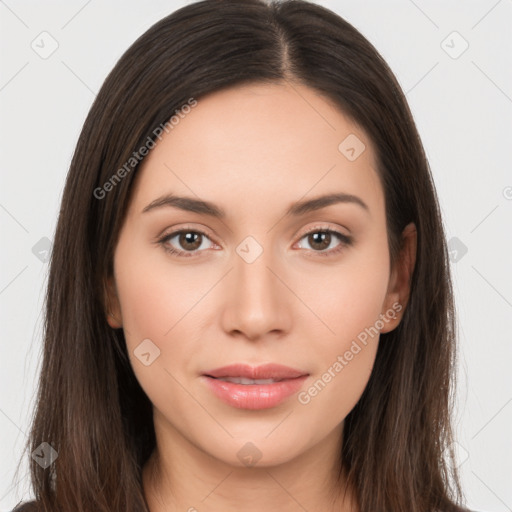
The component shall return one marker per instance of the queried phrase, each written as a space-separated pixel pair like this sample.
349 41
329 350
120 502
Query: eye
190 241
321 241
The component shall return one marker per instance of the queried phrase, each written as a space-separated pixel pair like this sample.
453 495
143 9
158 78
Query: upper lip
264 371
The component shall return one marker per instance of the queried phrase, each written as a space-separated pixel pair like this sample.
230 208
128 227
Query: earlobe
400 281
113 322
113 311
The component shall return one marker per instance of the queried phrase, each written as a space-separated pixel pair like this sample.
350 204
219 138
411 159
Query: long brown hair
90 408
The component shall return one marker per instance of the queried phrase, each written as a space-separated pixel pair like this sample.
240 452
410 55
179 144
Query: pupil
188 238
323 239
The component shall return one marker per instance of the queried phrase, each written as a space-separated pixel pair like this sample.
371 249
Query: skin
254 150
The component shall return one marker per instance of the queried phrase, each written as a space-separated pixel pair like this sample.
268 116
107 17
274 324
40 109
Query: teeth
243 380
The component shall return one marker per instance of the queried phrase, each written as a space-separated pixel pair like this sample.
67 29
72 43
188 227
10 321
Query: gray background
462 102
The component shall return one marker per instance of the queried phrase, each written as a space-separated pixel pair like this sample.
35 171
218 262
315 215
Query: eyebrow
190 204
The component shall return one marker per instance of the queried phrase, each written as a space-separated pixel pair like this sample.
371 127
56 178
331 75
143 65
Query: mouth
246 387
269 371
247 382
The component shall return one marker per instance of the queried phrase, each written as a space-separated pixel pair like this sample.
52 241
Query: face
259 276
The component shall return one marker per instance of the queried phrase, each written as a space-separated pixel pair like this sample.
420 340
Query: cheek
155 294
346 298
345 353
158 303
347 302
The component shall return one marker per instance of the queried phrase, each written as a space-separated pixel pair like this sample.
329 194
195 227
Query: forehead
259 142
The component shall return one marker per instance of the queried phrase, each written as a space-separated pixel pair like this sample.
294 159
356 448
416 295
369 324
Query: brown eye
189 240
185 242
320 240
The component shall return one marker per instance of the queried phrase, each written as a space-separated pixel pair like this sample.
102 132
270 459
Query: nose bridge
255 283
256 303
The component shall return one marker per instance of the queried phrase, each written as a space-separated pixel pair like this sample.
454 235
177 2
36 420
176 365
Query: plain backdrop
453 61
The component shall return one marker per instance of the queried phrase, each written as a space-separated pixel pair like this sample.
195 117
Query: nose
257 301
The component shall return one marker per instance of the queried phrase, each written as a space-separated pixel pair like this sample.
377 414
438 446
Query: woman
249 304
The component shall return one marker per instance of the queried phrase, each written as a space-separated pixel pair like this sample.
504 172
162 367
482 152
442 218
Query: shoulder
28 506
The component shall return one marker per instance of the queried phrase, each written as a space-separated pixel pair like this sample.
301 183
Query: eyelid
171 233
345 240
186 227
321 227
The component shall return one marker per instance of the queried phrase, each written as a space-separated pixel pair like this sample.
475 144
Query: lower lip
254 396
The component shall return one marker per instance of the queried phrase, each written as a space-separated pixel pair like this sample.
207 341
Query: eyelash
345 240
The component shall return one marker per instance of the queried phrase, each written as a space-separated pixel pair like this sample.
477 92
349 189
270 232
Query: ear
113 312
400 280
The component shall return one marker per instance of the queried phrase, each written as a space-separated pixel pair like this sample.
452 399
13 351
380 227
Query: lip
254 396
264 371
